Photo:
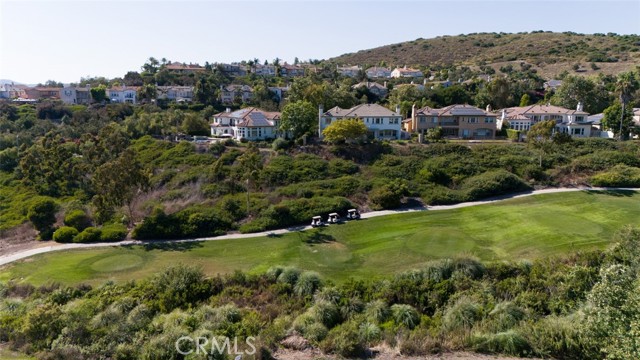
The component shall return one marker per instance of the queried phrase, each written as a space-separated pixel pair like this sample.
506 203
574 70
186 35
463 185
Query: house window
488 120
422 120
472 120
434 120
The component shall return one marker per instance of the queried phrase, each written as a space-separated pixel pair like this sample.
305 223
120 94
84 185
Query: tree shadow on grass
172 245
315 236
616 193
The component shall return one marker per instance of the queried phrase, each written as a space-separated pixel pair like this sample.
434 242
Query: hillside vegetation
542 49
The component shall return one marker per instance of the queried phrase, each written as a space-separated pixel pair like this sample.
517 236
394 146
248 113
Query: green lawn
524 228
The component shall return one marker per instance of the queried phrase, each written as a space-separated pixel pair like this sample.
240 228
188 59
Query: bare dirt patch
19 238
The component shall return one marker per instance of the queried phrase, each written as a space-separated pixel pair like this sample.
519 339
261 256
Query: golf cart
353 214
316 221
334 218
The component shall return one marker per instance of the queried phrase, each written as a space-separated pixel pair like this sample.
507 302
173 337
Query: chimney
228 110
504 115
398 109
385 84
414 121
579 107
488 107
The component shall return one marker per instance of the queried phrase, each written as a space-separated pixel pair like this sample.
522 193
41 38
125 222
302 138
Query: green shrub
42 214
183 224
618 176
388 196
77 219
345 340
315 332
405 315
441 195
462 315
88 235
307 283
65 234
509 343
493 183
113 233
280 144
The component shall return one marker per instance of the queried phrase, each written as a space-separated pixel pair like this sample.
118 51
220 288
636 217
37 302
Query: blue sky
65 40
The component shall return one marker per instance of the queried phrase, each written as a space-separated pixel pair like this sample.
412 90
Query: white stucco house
381 122
123 94
249 123
573 122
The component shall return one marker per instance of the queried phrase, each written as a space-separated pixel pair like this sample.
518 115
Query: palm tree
626 85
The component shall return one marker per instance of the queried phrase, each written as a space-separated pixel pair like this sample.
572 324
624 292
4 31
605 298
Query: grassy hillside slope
550 52
525 228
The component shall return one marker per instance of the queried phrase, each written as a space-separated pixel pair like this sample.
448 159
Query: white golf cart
334 218
317 221
353 214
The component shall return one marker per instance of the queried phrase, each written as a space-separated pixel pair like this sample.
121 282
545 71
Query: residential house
264 70
76 95
12 91
378 72
235 93
291 70
350 71
249 123
457 121
175 93
381 122
573 122
184 68
552 85
42 93
406 72
123 94
234 69
375 88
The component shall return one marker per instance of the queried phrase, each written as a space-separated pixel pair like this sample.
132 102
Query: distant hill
550 53
7 81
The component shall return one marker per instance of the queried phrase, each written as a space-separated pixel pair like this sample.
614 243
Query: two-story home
350 71
233 69
249 123
458 121
12 91
75 95
123 94
235 93
375 88
406 72
264 70
381 122
378 72
291 70
574 122
42 93
175 93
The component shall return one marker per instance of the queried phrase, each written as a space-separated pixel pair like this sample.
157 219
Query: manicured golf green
524 228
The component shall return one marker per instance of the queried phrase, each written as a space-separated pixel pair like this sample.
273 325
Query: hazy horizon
67 40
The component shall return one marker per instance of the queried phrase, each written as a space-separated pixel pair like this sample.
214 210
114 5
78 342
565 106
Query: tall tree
618 120
299 118
626 85
117 183
575 89
539 137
